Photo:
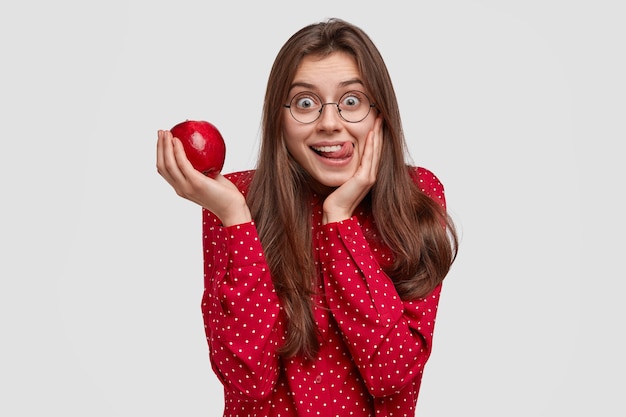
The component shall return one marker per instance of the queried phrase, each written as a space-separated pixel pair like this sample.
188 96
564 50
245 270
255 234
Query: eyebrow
312 87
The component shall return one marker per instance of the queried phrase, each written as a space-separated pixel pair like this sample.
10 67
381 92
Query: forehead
332 71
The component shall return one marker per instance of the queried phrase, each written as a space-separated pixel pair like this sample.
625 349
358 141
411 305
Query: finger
377 145
368 153
159 152
371 152
186 173
170 163
186 181
164 155
180 157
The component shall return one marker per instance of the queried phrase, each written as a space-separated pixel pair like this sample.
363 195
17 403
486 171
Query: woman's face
329 148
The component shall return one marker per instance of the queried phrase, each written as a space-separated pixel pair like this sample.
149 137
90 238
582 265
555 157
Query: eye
351 100
305 101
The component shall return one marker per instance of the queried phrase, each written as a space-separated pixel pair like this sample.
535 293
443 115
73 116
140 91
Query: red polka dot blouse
373 346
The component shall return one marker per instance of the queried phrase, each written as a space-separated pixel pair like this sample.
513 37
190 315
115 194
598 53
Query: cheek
360 133
288 126
289 138
295 134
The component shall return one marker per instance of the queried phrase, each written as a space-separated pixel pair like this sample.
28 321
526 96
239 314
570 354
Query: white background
517 106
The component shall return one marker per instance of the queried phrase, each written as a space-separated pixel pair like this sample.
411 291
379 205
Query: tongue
345 152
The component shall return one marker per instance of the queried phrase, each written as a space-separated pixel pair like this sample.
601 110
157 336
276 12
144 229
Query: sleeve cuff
342 240
244 245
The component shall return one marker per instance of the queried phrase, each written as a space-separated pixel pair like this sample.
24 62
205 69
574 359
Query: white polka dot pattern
373 346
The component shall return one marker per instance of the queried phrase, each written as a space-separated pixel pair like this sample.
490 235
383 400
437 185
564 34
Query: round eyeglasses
353 106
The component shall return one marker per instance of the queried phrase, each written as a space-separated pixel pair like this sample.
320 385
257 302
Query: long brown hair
280 193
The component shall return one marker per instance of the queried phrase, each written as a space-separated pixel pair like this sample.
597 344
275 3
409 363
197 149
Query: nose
330 118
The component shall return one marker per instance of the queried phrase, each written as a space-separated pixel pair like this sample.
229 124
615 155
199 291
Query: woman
323 267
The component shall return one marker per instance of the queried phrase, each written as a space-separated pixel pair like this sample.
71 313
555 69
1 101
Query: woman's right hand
218 195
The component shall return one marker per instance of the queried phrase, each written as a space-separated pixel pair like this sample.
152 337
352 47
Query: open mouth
335 151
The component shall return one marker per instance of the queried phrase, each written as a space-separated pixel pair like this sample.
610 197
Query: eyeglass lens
353 106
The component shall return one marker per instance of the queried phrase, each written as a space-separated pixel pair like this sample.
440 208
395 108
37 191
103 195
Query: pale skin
353 176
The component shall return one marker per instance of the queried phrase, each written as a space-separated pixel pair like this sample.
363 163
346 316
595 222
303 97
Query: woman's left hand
342 202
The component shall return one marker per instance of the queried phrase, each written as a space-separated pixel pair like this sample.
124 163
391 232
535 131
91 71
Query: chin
333 181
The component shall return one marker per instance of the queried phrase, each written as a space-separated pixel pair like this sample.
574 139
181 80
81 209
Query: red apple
203 144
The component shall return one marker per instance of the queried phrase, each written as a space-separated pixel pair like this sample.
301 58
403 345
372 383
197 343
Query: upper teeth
333 148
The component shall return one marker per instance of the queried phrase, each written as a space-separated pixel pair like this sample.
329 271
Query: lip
327 148
333 153
329 143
